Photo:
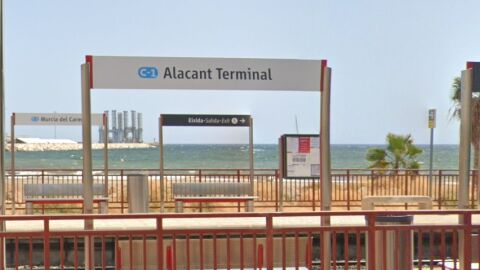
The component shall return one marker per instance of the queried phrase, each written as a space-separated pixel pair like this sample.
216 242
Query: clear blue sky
391 61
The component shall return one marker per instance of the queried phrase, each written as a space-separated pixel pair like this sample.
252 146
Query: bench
62 194
424 202
212 192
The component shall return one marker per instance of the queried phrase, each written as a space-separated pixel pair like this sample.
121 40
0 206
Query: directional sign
205 120
55 119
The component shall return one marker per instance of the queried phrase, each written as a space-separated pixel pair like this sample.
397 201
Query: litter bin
394 247
137 188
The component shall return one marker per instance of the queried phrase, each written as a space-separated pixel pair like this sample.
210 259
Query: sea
214 156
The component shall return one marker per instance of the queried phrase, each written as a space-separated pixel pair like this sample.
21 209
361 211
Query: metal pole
105 151
464 158
87 161
250 155
87 142
430 173
12 160
162 172
465 138
325 163
2 124
2 136
325 143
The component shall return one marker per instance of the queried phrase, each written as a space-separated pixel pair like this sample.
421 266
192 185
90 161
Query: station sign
300 156
115 72
205 120
55 119
475 66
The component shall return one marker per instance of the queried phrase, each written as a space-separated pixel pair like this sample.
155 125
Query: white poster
114 72
302 154
55 119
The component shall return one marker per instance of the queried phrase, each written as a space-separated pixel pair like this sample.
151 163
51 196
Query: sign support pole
430 173
464 158
162 171
105 152
87 142
250 144
431 125
2 137
87 163
465 138
325 178
12 160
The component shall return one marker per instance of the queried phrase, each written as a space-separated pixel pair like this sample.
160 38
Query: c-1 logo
148 72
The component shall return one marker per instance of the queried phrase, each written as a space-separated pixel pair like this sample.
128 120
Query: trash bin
392 244
137 188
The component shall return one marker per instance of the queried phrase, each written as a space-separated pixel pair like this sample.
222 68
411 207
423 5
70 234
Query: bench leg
29 208
249 206
179 206
103 207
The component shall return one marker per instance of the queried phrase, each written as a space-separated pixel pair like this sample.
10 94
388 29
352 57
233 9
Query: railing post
43 182
348 189
163 191
372 179
465 241
160 243
440 179
407 179
276 190
46 243
122 206
472 192
200 205
269 227
371 249
238 181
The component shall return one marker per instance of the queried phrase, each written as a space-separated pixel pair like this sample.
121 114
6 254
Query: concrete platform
212 223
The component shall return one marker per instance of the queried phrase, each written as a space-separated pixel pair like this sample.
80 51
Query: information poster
301 156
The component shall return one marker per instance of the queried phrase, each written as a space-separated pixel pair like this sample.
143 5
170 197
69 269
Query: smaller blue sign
35 118
148 72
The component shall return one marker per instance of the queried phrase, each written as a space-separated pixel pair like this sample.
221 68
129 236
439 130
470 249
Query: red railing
355 240
349 186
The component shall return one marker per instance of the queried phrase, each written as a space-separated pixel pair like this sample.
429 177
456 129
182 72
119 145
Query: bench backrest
211 189
60 190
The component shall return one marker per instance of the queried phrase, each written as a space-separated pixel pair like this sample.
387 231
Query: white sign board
301 156
113 72
55 119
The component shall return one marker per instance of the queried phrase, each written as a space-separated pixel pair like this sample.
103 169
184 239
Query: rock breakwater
39 147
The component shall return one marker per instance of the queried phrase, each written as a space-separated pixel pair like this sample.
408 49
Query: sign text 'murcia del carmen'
218 73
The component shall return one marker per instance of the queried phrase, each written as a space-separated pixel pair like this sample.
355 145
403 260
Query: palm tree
400 153
455 111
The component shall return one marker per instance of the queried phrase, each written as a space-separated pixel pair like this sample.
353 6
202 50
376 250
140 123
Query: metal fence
355 240
349 186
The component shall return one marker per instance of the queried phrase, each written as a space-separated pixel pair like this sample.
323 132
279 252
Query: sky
391 61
